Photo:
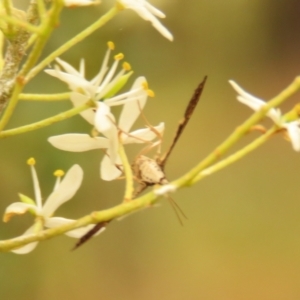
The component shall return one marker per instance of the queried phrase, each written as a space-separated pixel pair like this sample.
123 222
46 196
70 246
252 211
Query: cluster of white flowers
101 117
103 90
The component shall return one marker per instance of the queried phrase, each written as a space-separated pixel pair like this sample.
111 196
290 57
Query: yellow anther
59 173
31 161
150 93
119 56
111 45
126 66
120 6
145 85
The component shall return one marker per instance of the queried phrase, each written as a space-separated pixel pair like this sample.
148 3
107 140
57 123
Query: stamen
119 56
126 66
145 85
59 173
31 161
120 6
150 93
111 45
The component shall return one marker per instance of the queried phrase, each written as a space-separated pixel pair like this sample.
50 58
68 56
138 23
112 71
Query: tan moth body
149 171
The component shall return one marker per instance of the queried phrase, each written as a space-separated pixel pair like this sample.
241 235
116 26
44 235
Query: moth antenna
178 211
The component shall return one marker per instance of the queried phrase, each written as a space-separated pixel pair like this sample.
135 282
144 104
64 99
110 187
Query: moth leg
152 128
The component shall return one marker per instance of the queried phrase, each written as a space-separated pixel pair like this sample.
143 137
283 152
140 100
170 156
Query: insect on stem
150 171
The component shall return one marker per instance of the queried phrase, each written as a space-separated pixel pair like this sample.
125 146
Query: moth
150 171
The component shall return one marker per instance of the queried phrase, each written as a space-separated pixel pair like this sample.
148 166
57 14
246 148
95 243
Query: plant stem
45 97
236 156
22 24
75 40
46 122
127 171
239 132
95 217
19 81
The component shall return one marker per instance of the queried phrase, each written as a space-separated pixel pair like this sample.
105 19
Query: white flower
149 13
75 3
105 84
98 87
256 104
105 123
63 191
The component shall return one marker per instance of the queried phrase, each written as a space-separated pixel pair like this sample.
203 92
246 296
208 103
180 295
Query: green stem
236 156
46 29
127 171
46 122
1 50
7 6
95 217
41 8
240 131
22 24
11 105
72 42
45 97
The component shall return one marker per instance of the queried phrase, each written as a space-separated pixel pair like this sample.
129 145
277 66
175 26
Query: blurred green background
242 237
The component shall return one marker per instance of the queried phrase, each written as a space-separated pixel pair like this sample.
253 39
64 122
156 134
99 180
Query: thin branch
69 44
46 122
45 97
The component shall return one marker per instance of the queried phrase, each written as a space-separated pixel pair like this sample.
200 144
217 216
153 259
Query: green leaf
26 199
119 84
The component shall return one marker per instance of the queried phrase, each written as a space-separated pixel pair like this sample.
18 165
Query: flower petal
132 109
104 119
104 123
68 68
79 99
17 208
29 247
76 142
148 12
108 170
75 83
75 233
294 134
255 103
66 190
